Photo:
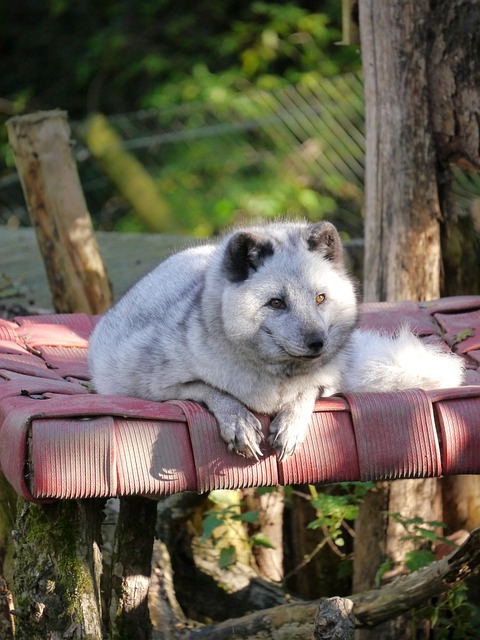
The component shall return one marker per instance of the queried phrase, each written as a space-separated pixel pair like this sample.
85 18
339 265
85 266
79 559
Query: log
408 592
335 620
58 212
295 621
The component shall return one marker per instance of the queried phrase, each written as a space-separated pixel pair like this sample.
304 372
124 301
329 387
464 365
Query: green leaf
261 540
248 516
428 534
415 560
463 335
227 557
436 523
382 570
315 524
209 524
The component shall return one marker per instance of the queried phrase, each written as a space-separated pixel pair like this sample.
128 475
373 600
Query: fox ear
244 253
324 237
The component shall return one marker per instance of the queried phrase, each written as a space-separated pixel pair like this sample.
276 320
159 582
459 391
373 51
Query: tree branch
407 592
370 607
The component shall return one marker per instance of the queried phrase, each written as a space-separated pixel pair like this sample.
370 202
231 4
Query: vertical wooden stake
58 211
131 569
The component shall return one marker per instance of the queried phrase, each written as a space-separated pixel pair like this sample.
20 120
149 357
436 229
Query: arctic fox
263 321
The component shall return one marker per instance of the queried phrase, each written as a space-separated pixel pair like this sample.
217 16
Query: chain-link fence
292 150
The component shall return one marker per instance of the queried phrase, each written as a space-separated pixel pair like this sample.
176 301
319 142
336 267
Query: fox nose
315 342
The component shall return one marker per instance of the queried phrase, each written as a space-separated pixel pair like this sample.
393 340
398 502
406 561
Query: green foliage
422 531
453 616
114 56
222 526
424 534
257 154
415 560
333 510
267 44
228 556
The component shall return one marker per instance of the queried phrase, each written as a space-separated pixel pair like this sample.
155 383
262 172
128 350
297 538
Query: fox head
287 298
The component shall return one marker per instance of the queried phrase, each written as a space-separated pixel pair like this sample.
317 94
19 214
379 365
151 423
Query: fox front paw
242 432
285 436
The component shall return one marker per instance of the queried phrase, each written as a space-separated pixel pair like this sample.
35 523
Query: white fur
381 362
201 327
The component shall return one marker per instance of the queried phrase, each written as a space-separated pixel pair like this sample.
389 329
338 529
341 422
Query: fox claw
243 434
283 448
250 449
285 435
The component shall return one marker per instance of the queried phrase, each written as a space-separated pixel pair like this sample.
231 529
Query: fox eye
320 297
277 303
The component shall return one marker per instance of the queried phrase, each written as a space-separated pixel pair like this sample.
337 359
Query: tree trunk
453 64
56 204
270 506
421 69
402 208
57 571
422 79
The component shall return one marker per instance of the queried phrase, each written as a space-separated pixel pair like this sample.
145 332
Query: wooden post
58 211
131 569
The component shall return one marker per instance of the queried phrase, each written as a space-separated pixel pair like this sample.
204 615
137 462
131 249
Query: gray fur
239 326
